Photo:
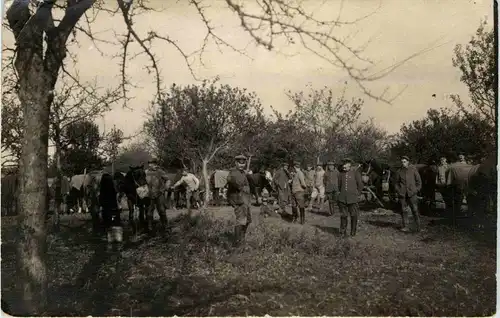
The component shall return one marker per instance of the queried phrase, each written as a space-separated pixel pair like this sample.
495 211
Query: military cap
296 163
240 157
153 160
330 163
405 157
347 160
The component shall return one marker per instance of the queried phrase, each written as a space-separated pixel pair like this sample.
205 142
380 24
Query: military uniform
331 186
158 183
239 197
350 187
282 183
298 194
408 184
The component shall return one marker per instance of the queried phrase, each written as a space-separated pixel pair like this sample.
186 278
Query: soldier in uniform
350 187
282 184
331 185
158 183
298 193
408 184
238 195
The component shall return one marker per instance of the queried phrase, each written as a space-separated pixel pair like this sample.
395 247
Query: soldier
318 190
238 195
350 187
461 158
298 193
158 183
331 185
282 184
309 173
192 184
408 184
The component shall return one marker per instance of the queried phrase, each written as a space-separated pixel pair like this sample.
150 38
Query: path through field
285 269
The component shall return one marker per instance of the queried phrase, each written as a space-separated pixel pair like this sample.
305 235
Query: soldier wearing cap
298 193
282 184
158 183
350 187
309 173
238 195
407 184
331 185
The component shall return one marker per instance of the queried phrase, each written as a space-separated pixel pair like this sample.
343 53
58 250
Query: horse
134 178
258 182
379 176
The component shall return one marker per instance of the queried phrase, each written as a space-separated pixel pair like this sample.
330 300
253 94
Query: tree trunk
31 247
58 182
207 183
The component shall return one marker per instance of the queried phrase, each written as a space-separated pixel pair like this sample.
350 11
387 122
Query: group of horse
475 185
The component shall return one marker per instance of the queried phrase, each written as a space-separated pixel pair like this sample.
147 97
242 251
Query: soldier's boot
404 219
294 214
354 225
331 206
343 225
302 215
321 204
417 222
239 235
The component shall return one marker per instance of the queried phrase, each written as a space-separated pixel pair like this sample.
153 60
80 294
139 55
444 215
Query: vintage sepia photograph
249 158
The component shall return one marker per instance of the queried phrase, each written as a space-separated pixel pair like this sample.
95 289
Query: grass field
285 269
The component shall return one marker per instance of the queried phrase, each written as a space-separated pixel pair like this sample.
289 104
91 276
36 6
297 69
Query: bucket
115 234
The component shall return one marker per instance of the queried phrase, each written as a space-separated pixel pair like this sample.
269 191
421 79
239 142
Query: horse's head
138 175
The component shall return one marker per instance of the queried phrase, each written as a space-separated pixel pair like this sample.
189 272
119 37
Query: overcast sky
398 29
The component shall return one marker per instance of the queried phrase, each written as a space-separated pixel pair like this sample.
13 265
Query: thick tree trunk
207 183
31 247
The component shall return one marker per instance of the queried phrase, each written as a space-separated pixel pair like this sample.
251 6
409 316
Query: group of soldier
342 188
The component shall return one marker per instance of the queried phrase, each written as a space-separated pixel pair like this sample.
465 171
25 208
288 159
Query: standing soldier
158 183
319 187
238 195
331 185
309 174
298 194
282 185
408 184
350 187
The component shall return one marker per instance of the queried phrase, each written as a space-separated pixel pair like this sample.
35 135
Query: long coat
238 188
408 181
350 186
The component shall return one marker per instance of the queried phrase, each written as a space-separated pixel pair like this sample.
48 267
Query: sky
396 29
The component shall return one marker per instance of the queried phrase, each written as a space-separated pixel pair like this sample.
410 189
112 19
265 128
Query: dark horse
258 182
135 177
379 176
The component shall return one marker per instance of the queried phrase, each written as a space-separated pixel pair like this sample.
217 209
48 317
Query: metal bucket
115 234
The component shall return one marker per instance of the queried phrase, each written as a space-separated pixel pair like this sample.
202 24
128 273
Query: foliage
324 115
442 133
360 141
111 143
202 119
82 139
133 155
478 64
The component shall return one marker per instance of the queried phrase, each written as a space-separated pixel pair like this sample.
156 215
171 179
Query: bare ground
285 269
